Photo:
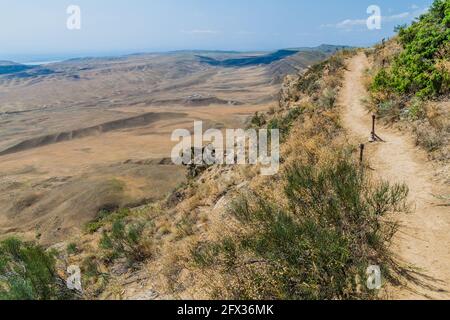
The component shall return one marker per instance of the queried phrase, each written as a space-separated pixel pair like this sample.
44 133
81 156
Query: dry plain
86 135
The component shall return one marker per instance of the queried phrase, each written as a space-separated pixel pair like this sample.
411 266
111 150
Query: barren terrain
85 135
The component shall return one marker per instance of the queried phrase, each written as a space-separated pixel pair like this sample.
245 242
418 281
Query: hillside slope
90 134
422 242
309 232
409 81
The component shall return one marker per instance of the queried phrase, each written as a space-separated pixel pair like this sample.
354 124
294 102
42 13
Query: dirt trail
423 241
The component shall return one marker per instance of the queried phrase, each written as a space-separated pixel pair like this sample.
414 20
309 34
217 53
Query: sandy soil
51 191
423 242
91 135
94 134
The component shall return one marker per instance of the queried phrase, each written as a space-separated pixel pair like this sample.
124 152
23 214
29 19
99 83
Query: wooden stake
361 155
374 119
374 137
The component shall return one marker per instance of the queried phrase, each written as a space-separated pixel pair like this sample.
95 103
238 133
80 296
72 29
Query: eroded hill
87 135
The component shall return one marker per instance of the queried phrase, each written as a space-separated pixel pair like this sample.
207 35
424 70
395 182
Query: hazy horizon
38 31
49 58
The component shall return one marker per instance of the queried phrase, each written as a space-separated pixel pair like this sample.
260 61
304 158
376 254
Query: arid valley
92 134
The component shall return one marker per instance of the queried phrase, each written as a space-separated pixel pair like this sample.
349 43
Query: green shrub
416 110
414 70
381 81
328 98
204 255
126 241
258 120
391 109
72 248
284 124
331 232
105 216
90 267
27 272
185 227
93 279
309 83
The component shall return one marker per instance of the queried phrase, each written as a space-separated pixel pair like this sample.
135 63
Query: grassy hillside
410 81
422 67
28 272
309 232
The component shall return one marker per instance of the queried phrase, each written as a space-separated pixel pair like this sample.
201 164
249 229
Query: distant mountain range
7 67
249 61
325 48
269 58
12 69
17 70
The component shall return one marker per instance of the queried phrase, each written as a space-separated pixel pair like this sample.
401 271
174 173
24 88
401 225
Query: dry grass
226 271
184 235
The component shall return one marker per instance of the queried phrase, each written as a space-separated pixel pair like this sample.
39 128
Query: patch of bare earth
49 192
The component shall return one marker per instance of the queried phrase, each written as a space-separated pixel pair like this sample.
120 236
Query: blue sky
37 29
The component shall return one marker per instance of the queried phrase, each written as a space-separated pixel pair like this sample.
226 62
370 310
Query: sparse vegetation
186 226
126 240
285 122
105 216
315 247
72 248
316 238
28 272
328 98
419 68
411 76
428 138
309 232
93 280
258 120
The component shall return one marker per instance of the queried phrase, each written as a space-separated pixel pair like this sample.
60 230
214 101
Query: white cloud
396 17
349 24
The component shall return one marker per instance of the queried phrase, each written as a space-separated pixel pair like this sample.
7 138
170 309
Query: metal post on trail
373 136
374 119
361 153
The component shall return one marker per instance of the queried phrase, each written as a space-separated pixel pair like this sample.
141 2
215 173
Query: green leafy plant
414 70
331 231
27 272
72 248
105 216
258 120
126 241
